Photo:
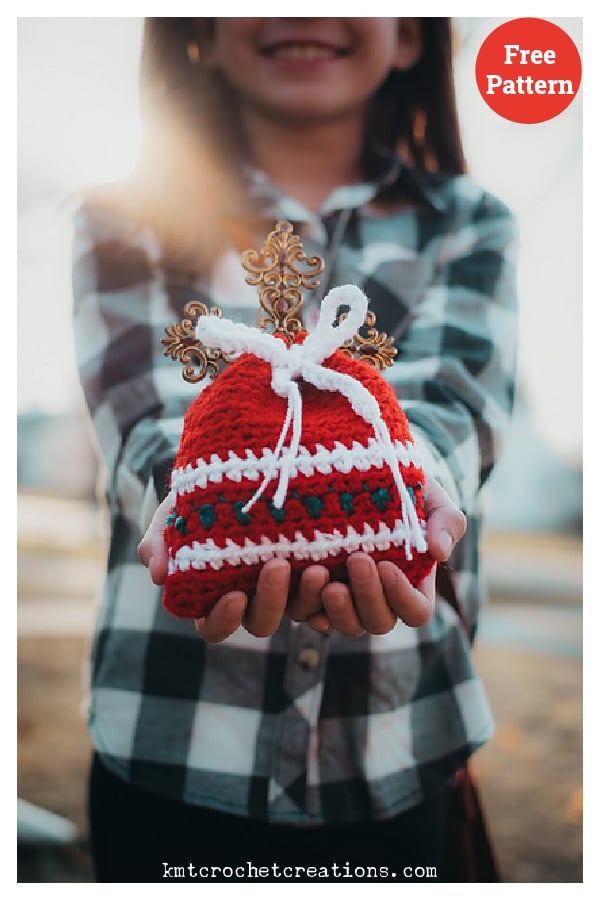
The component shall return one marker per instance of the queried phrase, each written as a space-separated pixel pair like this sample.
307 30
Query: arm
455 379
455 374
135 398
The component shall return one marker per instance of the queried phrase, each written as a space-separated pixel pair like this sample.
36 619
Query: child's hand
261 618
152 549
382 593
379 593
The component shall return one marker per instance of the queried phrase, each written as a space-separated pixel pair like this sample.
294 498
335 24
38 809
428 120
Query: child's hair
187 181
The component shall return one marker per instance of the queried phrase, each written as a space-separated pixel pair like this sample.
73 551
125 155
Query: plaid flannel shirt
298 727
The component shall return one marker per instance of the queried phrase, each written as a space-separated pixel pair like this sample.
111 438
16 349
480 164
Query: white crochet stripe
343 459
209 555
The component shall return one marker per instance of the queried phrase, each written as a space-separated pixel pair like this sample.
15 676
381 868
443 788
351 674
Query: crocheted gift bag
295 451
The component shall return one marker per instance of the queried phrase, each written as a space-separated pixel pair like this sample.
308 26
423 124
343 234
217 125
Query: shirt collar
389 172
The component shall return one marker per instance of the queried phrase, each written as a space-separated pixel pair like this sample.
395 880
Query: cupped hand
378 594
262 617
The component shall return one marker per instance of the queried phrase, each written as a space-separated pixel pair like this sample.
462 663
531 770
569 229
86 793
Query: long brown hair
187 180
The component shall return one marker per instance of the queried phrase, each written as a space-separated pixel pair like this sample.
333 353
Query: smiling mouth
303 52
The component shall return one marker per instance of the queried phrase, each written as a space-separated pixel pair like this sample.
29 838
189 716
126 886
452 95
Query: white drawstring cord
303 361
293 416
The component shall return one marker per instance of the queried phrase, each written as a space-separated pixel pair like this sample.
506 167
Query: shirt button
308 658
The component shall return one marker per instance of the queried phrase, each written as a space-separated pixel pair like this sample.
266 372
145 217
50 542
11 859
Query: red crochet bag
297 451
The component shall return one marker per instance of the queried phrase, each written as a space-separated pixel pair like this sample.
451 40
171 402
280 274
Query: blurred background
77 125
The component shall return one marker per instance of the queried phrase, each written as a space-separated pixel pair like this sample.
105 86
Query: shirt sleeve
136 396
455 374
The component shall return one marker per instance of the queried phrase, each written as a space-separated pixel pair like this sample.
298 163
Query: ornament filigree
182 344
375 347
280 270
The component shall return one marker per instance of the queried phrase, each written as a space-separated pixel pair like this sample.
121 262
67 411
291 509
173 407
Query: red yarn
240 412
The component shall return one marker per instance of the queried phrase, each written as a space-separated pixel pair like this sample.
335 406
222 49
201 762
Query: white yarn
340 458
208 554
303 361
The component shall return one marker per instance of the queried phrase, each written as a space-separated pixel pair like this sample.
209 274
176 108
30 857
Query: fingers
320 623
340 610
307 601
381 594
224 618
413 605
378 594
446 524
350 609
152 549
261 617
369 598
268 604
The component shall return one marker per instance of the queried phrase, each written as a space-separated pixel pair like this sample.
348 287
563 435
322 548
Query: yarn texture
295 451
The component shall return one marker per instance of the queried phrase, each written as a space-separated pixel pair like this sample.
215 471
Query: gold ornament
280 270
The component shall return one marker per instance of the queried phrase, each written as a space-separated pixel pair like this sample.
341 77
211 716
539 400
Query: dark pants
141 837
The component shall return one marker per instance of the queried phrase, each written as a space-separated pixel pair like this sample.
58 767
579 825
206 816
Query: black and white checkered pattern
298 727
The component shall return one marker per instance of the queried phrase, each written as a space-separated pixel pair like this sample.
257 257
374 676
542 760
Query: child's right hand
261 618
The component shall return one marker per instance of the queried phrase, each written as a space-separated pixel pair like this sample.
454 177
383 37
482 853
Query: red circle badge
528 70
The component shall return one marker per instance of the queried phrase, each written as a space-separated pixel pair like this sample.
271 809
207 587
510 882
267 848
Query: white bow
303 361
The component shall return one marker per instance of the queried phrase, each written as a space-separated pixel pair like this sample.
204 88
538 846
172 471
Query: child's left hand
379 593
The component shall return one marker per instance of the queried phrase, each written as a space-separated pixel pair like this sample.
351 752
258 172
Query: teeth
302 52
